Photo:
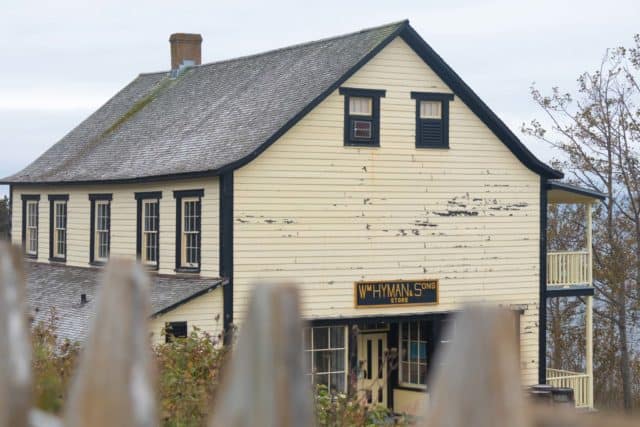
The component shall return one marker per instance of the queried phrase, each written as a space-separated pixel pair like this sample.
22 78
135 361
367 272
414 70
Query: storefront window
413 353
325 356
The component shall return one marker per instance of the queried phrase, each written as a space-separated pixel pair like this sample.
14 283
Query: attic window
432 119
362 116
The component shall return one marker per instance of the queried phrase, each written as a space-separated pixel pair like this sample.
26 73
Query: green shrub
188 375
53 365
341 410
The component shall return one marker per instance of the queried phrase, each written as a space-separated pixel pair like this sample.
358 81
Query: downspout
542 309
226 252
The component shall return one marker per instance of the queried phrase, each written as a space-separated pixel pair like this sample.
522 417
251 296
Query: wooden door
372 368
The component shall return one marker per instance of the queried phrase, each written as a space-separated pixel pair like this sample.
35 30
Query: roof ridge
293 46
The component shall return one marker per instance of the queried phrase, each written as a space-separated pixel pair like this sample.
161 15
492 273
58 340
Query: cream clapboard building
360 167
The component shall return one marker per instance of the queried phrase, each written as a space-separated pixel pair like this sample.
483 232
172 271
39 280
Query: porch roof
59 287
562 192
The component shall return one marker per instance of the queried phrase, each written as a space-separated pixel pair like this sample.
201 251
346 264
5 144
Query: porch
579 382
570 274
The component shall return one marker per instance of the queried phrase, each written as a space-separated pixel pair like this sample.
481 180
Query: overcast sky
61 60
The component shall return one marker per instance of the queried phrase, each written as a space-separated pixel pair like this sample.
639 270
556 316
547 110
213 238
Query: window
103 213
58 227
188 227
432 119
30 224
431 110
100 228
175 330
148 236
362 116
325 356
413 353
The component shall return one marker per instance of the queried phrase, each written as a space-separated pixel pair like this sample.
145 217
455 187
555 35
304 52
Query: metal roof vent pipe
83 299
186 51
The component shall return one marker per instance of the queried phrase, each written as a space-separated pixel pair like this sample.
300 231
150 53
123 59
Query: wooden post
590 242
589 309
478 380
15 347
589 352
113 385
266 384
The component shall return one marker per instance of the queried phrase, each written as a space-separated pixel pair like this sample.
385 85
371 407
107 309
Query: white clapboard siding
203 312
312 211
123 220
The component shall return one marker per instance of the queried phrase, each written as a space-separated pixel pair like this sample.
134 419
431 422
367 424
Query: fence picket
15 347
478 382
266 385
114 383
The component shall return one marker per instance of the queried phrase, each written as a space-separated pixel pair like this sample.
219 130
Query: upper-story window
189 229
148 239
58 227
100 241
432 119
30 204
362 116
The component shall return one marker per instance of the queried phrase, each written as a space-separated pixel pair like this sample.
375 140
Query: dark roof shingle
207 118
59 287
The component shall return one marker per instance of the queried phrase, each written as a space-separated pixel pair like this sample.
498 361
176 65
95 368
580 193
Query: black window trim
27 198
53 198
168 337
444 99
179 195
141 197
92 239
375 95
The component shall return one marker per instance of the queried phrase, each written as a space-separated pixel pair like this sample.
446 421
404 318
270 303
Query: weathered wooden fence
478 383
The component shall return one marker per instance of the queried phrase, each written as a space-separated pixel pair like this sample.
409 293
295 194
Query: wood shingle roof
216 117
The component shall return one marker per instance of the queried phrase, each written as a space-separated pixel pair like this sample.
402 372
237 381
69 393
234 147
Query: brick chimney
185 49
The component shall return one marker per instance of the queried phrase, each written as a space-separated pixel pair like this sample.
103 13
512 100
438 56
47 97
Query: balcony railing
568 268
575 380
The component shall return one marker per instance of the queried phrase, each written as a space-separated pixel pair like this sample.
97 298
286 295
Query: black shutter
431 133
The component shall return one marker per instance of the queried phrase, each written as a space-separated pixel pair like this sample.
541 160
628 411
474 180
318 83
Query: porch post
589 312
590 243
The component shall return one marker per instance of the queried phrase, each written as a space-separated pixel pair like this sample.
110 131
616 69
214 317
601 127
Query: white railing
568 268
575 380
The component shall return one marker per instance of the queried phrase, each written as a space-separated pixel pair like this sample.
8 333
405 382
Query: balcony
568 268
577 381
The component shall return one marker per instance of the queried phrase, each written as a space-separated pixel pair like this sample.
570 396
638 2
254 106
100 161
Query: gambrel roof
219 116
